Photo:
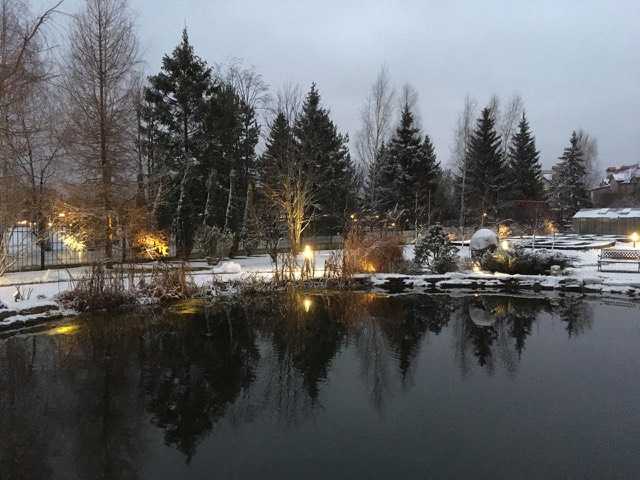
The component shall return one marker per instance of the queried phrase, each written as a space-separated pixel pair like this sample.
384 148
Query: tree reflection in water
80 403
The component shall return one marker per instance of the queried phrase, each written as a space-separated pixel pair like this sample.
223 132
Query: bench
614 255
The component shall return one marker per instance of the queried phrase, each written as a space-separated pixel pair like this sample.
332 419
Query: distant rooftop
611 213
624 173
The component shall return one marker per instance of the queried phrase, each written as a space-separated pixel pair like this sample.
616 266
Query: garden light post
635 238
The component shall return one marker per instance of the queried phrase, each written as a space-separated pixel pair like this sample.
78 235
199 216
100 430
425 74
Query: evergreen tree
324 155
570 192
486 172
373 183
279 151
274 165
177 103
525 172
411 170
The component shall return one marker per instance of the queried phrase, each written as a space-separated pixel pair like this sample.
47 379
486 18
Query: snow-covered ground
41 287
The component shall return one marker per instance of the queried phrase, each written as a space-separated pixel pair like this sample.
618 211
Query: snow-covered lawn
41 287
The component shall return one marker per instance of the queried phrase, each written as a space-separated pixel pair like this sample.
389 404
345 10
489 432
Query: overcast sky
576 63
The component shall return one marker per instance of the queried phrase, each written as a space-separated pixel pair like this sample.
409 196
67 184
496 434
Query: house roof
609 213
624 173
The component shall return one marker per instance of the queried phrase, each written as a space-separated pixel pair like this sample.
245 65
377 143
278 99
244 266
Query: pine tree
324 155
569 188
177 103
486 172
525 172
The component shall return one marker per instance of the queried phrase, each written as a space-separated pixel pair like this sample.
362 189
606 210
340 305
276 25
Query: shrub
101 289
436 251
363 252
168 283
523 262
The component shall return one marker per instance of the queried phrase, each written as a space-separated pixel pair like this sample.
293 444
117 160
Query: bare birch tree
462 136
36 142
288 101
509 119
99 69
21 70
589 146
376 117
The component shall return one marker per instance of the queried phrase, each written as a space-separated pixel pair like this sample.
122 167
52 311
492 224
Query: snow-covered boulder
228 267
483 240
3 306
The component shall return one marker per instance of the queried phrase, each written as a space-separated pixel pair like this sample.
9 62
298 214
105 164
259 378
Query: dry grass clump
101 289
126 286
365 252
168 283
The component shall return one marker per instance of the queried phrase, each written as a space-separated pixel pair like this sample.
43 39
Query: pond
333 386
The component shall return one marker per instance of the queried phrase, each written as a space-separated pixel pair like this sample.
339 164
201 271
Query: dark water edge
349 385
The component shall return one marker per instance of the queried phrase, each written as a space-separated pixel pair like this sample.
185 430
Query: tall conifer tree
525 171
324 155
570 191
486 172
177 99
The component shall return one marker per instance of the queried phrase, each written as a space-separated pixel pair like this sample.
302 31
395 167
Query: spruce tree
525 172
570 192
177 103
324 156
411 170
486 172
373 187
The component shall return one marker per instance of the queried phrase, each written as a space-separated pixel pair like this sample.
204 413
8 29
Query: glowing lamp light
476 268
307 253
635 238
353 216
65 330
61 215
504 245
307 303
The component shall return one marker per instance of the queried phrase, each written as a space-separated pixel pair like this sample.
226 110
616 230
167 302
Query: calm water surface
339 386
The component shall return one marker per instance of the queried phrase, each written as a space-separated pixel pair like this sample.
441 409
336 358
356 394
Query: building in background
620 188
607 221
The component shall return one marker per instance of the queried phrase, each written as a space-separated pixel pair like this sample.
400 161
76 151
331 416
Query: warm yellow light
73 243
369 267
154 245
307 253
504 245
485 214
353 216
23 222
635 237
65 330
50 224
307 303
393 224
61 215
476 268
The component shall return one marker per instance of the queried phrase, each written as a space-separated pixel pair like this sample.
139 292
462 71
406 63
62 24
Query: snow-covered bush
435 251
484 240
523 262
